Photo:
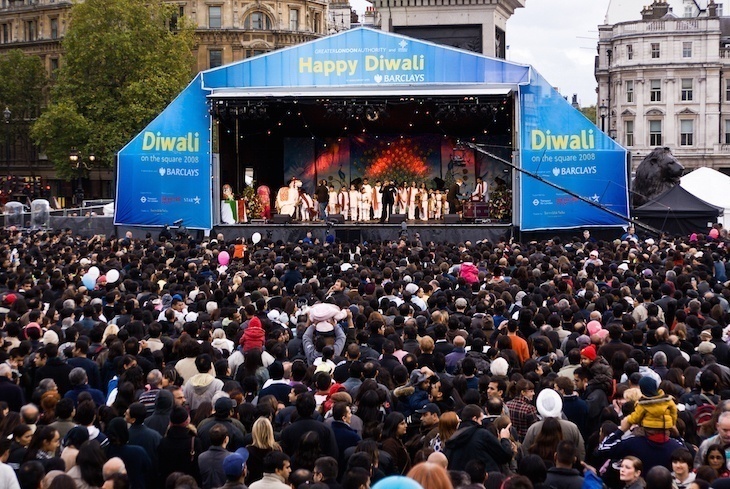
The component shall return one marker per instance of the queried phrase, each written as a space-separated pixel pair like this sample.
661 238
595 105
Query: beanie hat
589 352
499 366
648 387
179 416
594 327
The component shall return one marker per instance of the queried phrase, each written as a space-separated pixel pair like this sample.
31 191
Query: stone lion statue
659 172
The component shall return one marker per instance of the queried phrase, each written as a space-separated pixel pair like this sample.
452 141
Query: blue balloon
88 281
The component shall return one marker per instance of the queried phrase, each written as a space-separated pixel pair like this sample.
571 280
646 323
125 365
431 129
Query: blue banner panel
563 147
365 57
164 173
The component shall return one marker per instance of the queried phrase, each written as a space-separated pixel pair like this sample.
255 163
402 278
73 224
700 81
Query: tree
23 84
589 112
123 65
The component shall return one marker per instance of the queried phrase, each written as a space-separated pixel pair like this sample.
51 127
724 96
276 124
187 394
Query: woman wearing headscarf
160 419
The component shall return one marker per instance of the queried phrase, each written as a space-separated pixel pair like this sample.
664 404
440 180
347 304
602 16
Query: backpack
704 410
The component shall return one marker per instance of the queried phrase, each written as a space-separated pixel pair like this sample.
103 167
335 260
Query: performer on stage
229 208
332 202
389 192
354 210
481 191
368 189
263 192
307 207
402 204
365 203
377 200
343 200
423 198
322 194
412 194
452 197
287 198
438 204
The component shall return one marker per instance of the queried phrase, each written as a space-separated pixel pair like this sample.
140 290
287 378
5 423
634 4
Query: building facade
475 25
664 80
225 31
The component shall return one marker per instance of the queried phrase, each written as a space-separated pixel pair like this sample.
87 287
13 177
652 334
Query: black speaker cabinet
336 218
396 219
451 218
281 219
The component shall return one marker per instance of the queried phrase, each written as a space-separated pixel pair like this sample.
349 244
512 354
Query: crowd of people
138 363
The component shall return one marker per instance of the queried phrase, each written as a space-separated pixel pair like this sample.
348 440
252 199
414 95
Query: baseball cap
429 408
234 463
224 404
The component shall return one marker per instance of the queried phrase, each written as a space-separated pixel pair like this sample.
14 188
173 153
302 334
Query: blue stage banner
164 173
563 147
363 57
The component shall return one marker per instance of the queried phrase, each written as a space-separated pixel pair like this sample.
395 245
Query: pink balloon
224 258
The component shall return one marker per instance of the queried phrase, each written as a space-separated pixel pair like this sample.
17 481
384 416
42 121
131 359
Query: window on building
687 49
214 17
54 68
686 89
727 90
215 58
655 133
317 22
727 131
5 33
31 30
655 90
719 9
54 28
257 21
655 51
629 84
629 133
293 19
686 132
630 51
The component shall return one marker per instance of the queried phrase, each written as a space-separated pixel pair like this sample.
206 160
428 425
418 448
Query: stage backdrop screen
164 173
563 147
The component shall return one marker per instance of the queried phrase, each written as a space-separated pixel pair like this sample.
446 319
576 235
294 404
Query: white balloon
112 276
255 238
94 272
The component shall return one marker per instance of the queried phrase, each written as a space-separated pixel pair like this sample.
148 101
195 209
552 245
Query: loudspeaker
396 218
451 218
336 218
281 219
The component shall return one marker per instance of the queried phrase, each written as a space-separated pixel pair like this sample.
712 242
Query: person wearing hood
203 386
136 460
654 409
474 442
254 336
160 419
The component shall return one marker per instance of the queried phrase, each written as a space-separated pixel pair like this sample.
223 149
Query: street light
80 165
6 118
603 112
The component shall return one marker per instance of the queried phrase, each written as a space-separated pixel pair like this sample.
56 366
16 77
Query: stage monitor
336 218
281 219
396 218
451 218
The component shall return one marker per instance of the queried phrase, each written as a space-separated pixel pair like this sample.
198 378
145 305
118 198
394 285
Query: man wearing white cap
550 405
416 294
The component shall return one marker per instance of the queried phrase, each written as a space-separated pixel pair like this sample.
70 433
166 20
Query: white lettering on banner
156 141
546 140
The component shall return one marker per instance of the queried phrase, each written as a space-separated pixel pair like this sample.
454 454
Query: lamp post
6 117
603 112
80 165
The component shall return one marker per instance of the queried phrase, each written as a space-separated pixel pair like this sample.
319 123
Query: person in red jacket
254 335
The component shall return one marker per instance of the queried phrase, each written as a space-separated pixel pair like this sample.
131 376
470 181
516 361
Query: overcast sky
558 38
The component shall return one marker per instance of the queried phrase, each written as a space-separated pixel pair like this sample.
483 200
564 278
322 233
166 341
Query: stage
436 231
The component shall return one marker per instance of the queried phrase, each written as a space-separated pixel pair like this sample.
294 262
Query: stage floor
373 231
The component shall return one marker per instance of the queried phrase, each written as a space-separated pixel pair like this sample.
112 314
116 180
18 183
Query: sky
558 38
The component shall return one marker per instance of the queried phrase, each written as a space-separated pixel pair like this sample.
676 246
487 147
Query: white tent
712 187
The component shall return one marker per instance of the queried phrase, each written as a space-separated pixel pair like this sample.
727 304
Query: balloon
224 258
94 272
112 276
255 238
88 281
